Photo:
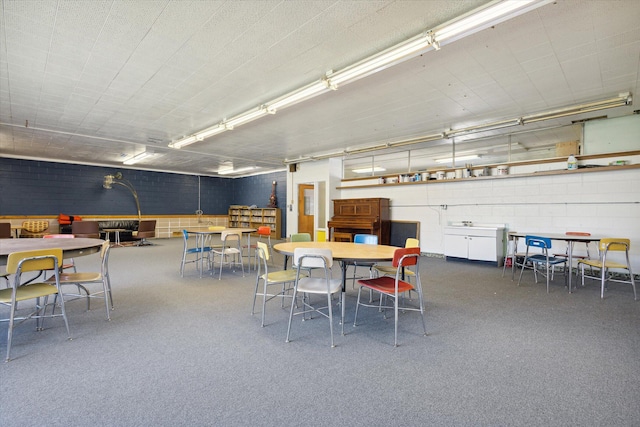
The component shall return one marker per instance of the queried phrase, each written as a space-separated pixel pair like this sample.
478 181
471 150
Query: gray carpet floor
186 351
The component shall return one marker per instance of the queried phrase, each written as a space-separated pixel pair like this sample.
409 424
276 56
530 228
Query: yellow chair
85 278
21 262
388 270
281 277
34 228
605 247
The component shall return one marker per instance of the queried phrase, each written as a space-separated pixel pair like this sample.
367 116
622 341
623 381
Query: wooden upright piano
360 216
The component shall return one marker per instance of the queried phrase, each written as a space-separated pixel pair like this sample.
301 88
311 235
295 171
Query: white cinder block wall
601 203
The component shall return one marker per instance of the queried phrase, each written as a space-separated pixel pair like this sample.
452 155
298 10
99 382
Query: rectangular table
570 239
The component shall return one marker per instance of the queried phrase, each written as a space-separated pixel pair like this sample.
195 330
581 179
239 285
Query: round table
70 247
344 252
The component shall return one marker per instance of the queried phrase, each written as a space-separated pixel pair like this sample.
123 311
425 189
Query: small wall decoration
273 200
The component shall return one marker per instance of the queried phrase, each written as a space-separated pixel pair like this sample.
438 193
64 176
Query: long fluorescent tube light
183 142
477 20
210 132
234 171
244 118
304 93
369 170
387 58
485 127
135 159
621 100
458 158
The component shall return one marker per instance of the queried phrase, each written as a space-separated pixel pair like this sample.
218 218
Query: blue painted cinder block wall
30 187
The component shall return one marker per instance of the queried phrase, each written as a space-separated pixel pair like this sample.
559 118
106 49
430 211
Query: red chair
395 287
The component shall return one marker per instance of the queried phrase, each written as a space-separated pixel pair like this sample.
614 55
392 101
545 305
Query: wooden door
305 209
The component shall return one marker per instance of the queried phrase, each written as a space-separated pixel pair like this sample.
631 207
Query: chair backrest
412 243
263 250
368 239
312 258
231 237
538 242
104 257
89 229
264 230
146 228
58 236
614 244
34 228
301 237
216 227
37 260
404 257
5 230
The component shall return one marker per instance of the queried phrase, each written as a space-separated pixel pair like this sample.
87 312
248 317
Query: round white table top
70 247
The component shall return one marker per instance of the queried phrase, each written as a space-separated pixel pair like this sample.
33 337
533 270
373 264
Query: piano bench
342 237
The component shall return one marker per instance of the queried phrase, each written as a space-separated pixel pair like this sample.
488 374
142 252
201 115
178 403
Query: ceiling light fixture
214 130
137 158
491 14
304 93
232 171
621 100
484 127
244 118
458 158
369 169
183 142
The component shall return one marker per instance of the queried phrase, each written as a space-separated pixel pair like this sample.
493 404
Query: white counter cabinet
474 243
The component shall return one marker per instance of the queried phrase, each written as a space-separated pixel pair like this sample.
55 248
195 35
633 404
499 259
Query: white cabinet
474 243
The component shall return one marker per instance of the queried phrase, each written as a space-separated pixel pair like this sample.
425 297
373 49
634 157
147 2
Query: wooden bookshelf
250 217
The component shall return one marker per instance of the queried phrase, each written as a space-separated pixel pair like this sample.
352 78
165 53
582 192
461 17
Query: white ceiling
99 81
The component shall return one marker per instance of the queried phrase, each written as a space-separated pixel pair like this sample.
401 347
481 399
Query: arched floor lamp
109 180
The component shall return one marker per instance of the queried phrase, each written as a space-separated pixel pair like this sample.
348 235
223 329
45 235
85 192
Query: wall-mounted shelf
366 182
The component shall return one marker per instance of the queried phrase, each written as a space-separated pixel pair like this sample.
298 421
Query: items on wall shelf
497 171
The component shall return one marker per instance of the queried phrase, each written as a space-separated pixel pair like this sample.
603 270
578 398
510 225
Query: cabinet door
456 246
482 248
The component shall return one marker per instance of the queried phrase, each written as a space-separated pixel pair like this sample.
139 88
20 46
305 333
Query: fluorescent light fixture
385 59
369 170
138 157
621 100
231 171
183 142
479 19
458 158
244 118
304 93
485 127
214 130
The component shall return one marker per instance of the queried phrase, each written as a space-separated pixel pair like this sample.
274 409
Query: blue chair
542 258
365 239
198 251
